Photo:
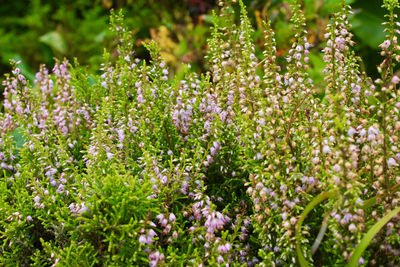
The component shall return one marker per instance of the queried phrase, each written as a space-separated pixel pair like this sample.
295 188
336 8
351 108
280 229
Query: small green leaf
100 37
18 137
55 40
368 27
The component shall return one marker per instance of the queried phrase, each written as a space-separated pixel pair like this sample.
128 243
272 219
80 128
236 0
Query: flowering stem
293 114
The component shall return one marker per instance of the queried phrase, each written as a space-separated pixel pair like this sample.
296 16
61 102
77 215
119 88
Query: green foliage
244 165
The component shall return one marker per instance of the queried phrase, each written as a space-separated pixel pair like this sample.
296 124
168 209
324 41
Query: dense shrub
244 165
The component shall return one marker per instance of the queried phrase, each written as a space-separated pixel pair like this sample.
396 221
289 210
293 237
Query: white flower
351 132
372 131
352 227
172 217
337 168
385 44
142 239
392 162
326 149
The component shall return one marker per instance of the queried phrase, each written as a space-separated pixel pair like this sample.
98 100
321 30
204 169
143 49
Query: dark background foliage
38 31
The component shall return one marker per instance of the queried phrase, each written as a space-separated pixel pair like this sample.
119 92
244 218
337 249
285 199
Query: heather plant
244 165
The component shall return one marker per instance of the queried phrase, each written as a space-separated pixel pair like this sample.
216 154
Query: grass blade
369 236
318 199
372 201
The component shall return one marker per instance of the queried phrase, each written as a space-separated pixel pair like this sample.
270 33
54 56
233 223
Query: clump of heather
243 165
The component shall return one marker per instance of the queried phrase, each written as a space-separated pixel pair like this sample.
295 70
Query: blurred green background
38 31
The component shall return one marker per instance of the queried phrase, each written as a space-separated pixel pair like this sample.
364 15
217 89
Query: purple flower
172 217
224 248
142 239
326 149
392 162
351 132
385 44
152 233
83 209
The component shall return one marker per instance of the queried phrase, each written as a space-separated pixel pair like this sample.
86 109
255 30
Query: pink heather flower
110 155
351 132
60 188
326 149
29 218
104 84
352 227
142 239
372 130
36 199
72 207
216 144
152 233
223 248
392 162
385 44
172 217
213 151
167 229
337 168
83 209
160 217
51 172
220 259
395 79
